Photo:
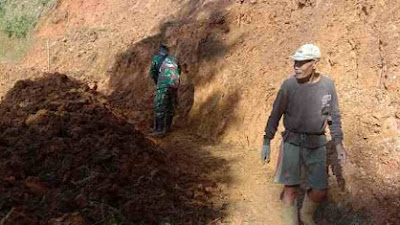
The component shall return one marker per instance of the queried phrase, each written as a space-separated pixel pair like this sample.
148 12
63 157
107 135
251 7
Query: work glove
342 154
266 151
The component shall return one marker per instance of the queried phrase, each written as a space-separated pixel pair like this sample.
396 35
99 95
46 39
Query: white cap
306 52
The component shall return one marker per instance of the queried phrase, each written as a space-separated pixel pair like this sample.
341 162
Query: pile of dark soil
66 158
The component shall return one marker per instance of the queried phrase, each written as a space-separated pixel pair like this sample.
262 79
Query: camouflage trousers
164 102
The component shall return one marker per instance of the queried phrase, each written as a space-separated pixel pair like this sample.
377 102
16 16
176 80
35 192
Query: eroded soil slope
235 56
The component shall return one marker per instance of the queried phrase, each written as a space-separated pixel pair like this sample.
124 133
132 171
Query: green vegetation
17 20
19 27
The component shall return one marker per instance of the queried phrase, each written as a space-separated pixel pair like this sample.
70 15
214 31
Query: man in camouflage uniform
165 72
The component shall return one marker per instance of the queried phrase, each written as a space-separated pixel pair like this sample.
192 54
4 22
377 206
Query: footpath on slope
247 193
250 196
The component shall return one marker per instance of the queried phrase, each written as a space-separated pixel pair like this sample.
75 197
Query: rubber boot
159 126
307 211
290 214
168 123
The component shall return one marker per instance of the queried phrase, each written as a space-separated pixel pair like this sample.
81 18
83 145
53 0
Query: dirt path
246 192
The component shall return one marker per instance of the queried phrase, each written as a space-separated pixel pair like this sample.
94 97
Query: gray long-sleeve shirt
306 107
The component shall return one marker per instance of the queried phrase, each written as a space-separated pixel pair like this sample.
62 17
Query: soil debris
67 158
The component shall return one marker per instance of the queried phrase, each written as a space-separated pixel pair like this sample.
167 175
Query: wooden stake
48 55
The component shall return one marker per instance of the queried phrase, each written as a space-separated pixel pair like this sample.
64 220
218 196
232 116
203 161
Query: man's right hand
266 152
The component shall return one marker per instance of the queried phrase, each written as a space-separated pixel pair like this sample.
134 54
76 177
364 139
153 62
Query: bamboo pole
48 55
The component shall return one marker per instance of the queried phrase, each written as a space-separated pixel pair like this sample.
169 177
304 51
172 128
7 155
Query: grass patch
19 27
18 19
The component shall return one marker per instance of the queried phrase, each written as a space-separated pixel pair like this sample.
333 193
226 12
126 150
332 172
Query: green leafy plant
19 27
17 20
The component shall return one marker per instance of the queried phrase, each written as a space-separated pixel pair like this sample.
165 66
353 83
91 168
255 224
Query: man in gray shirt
309 103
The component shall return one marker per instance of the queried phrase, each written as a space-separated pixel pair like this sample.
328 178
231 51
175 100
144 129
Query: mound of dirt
66 158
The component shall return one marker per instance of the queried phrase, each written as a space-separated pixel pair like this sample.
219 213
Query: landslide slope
235 56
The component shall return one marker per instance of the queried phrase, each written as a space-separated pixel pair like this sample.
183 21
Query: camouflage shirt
165 73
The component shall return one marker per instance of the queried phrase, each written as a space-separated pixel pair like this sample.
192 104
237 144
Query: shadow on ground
65 157
342 212
196 42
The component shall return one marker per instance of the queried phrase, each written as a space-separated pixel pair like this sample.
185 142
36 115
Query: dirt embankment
67 158
235 56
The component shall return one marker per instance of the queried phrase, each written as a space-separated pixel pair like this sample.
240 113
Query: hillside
235 57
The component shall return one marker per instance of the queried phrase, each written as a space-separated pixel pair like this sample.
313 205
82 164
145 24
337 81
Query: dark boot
168 123
159 127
